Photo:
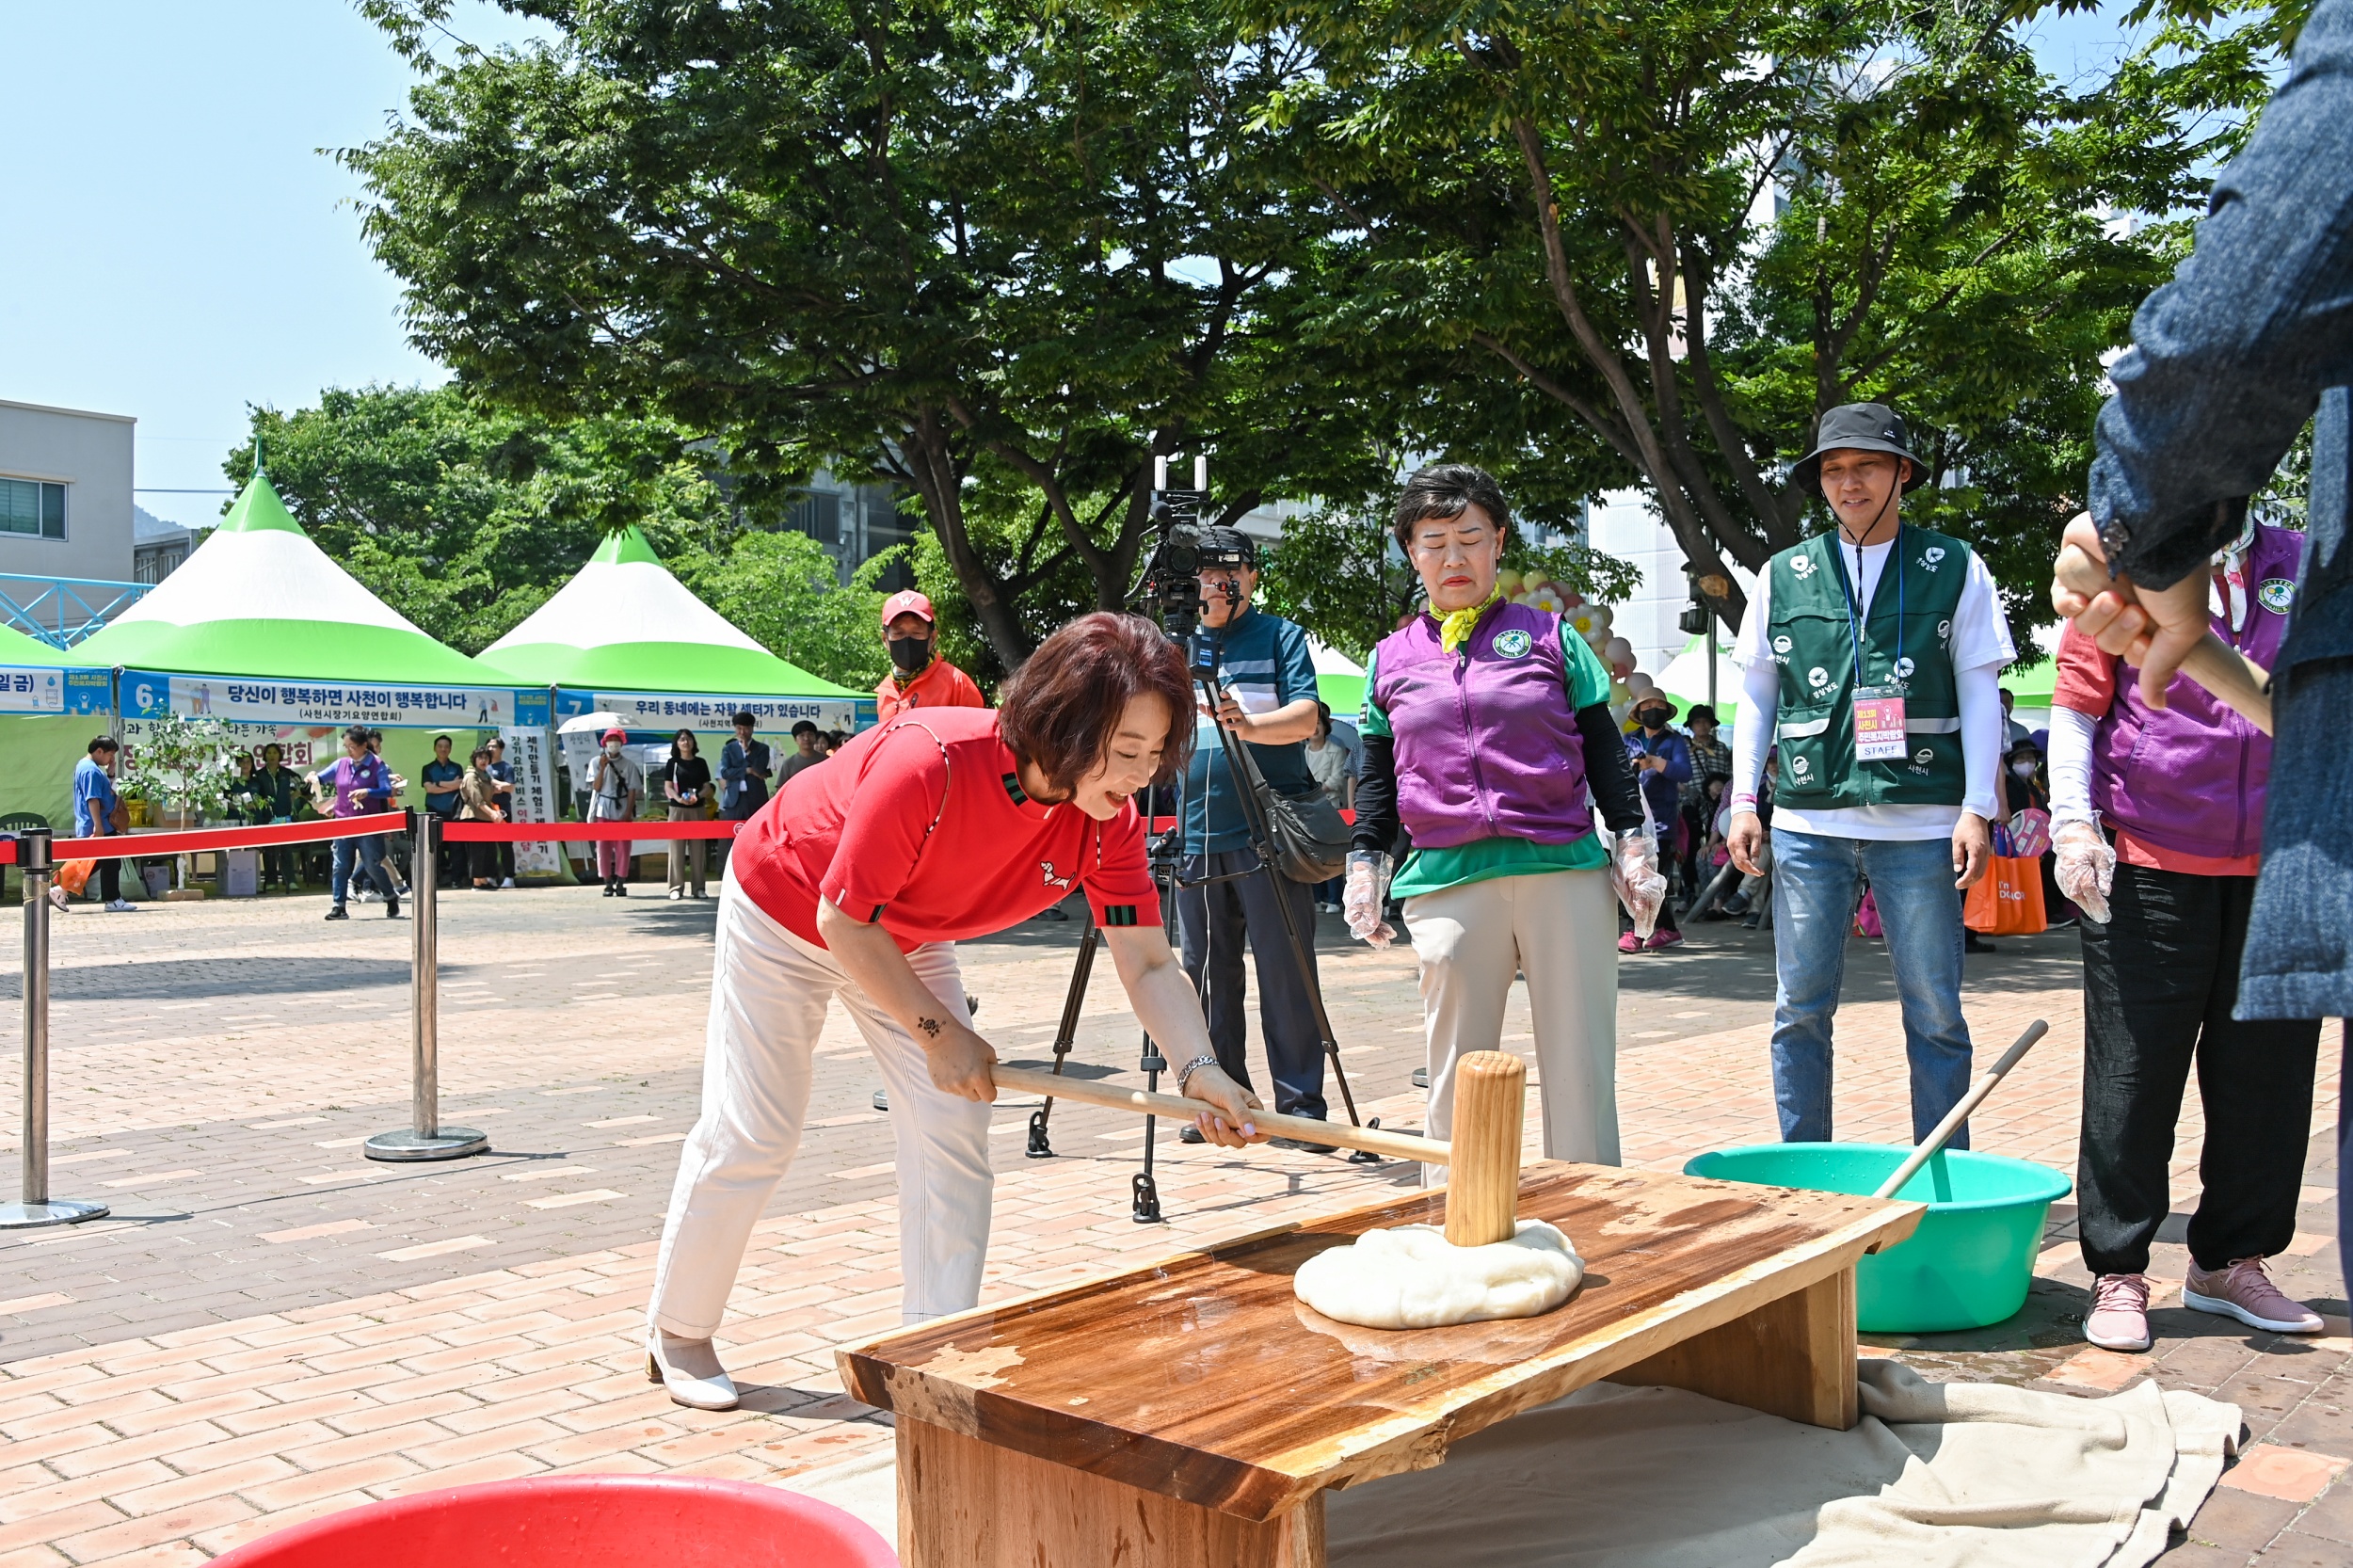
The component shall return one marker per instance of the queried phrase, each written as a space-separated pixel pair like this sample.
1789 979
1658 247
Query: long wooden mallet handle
1393 1145
2236 681
1959 1114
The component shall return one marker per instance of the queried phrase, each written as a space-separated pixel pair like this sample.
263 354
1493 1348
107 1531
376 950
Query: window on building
818 513
33 508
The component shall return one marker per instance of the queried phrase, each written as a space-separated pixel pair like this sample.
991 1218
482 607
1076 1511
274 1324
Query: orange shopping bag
2008 899
73 875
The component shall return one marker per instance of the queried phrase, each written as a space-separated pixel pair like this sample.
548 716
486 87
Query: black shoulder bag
1310 837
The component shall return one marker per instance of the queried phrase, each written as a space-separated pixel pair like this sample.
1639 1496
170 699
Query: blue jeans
369 849
1815 888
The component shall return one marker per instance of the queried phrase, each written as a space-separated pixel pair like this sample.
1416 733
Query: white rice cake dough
1414 1277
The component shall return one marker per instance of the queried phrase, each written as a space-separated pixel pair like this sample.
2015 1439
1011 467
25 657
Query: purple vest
2191 777
1486 743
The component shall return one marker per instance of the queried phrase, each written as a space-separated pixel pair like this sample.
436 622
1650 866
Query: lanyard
1857 620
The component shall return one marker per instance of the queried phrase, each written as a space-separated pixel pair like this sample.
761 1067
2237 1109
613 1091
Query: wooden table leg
964 1503
1793 1357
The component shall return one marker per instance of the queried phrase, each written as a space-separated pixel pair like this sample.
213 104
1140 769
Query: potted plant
183 765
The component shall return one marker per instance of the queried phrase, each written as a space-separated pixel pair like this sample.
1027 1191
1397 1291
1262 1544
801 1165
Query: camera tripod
1205 655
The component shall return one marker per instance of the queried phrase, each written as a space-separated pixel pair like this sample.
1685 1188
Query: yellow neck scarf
1454 626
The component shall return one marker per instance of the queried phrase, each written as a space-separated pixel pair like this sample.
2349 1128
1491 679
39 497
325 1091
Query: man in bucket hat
1869 657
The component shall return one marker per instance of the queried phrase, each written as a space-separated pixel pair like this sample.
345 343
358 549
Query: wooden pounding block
1794 1358
1484 1184
1190 1413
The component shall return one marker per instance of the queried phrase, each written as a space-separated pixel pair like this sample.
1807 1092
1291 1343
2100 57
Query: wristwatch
1184 1074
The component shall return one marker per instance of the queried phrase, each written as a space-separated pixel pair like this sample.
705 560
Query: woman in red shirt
855 882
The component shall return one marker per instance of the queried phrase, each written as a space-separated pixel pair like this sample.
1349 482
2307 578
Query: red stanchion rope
120 846
8 852
574 832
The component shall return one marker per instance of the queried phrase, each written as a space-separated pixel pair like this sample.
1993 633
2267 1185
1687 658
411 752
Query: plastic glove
1640 886
2085 869
1368 886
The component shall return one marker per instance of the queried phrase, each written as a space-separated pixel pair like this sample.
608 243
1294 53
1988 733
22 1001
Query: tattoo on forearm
929 1026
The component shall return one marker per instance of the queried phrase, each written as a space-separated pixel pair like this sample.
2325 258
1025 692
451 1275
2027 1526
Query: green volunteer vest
1808 635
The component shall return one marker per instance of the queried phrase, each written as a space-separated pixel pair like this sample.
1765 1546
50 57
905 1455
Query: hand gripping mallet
1490 1101
2236 681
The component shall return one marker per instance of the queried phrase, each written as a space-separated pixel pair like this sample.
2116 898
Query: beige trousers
1560 930
770 991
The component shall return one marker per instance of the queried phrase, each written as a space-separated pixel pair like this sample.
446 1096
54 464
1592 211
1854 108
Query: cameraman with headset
1267 681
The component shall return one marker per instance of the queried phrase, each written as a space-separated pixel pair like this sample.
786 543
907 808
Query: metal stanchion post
428 1139
37 1207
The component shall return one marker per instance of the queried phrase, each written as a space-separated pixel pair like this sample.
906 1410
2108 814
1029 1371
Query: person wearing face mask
1662 765
614 785
2025 791
854 884
918 677
1869 656
2157 821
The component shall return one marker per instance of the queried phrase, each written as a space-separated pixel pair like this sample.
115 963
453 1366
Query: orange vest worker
918 677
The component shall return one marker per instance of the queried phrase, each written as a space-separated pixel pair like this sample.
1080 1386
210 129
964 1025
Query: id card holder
1879 724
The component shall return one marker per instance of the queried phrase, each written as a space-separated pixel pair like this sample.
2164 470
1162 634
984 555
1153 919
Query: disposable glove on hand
1640 886
2085 867
1368 886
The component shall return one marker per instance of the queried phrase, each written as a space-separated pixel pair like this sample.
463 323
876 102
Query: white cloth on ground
1934 1476
768 995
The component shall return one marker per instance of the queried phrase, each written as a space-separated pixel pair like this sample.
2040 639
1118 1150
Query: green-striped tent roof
259 598
624 624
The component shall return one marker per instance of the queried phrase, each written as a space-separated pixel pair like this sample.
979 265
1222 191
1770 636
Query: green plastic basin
1970 1262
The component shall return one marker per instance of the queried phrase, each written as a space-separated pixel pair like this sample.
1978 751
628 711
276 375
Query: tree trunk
939 478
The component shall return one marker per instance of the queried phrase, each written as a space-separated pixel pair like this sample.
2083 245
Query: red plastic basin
579 1522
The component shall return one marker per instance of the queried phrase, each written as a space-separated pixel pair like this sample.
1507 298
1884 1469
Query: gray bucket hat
1858 427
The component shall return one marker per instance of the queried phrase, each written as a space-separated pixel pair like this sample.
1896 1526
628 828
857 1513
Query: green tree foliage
780 590
465 518
1692 225
999 254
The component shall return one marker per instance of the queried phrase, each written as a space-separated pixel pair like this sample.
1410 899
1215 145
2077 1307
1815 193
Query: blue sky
177 247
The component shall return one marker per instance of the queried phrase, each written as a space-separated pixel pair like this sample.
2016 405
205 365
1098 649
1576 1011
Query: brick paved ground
268 1327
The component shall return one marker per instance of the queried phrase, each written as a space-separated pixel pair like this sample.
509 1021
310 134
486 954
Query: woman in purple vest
2181 789
1480 723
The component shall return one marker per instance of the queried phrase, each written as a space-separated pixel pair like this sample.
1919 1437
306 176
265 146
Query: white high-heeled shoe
711 1393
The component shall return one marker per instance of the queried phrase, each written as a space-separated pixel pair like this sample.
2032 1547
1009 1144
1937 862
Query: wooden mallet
2236 681
1482 1160
1483 1182
1393 1145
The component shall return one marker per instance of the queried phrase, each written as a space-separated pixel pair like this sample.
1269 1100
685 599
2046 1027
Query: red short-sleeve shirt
922 826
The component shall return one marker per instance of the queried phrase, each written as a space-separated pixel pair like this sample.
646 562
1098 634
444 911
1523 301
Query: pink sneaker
1629 942
2244 1291
2119 1319
1665 939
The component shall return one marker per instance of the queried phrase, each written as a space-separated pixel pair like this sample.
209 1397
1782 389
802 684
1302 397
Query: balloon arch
1592 622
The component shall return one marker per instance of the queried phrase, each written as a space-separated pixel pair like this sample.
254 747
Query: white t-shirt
1981 646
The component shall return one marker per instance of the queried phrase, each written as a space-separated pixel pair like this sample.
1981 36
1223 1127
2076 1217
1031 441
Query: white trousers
1560 930
769 994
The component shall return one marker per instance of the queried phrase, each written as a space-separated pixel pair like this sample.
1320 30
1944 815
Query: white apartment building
65 492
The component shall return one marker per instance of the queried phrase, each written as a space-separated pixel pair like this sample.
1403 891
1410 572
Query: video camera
1168 587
